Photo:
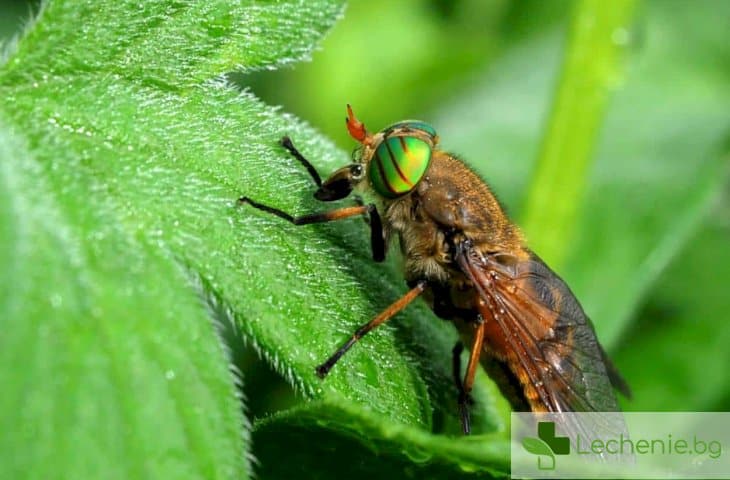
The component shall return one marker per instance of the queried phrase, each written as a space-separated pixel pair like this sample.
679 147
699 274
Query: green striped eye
399 163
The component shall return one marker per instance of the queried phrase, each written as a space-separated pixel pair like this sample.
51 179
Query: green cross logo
546 445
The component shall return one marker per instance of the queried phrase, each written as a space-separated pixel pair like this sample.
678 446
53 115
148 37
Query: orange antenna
355 126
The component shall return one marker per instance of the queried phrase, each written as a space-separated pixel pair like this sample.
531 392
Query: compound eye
356 171
398 165
422 128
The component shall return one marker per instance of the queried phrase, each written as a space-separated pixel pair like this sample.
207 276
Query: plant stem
592 67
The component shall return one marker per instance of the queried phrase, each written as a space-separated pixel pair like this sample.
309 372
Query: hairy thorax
451 201
423 244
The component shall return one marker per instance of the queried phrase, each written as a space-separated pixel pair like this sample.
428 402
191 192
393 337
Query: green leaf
137 152
121 161
108 372
330 438
167 44
536 446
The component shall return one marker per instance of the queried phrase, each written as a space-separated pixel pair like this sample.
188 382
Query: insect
471 265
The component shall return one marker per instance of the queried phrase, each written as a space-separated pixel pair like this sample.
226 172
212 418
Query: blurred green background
650 259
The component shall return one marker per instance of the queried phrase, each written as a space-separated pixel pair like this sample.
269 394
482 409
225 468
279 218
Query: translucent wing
539 333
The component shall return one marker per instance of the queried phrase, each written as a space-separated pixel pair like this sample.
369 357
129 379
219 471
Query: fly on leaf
471 265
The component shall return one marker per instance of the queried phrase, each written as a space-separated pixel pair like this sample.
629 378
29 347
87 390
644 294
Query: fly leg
287 143
467 384
383 317
359 201
464 399
377 240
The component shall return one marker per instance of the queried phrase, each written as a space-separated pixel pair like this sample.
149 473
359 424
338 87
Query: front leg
339 185
465 386
287 143
377 241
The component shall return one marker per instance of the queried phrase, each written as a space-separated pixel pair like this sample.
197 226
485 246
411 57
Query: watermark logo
546 445
621 445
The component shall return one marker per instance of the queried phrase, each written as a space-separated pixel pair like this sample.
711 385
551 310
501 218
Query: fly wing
537 329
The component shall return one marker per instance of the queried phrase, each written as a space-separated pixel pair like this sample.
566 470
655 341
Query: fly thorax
422 243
